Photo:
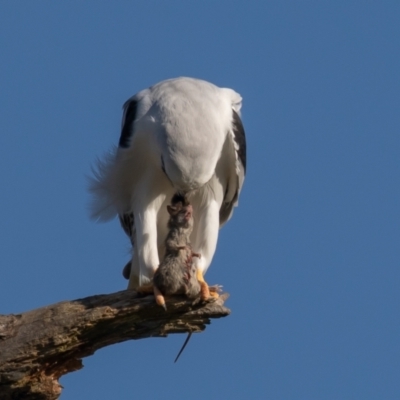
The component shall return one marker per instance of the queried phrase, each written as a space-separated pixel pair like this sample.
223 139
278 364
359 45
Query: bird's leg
205 291
205 237
146 251
134 272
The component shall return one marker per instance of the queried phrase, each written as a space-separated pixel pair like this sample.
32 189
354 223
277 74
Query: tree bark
39 346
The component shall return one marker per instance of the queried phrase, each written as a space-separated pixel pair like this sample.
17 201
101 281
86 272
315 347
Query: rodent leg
159 297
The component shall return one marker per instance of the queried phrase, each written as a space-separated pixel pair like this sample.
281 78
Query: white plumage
181 135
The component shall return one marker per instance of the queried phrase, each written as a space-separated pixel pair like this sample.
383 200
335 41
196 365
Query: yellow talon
205 291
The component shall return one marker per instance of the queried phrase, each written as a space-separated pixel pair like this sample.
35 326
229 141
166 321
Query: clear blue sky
311 257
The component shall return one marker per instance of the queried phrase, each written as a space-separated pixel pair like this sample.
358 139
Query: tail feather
103 206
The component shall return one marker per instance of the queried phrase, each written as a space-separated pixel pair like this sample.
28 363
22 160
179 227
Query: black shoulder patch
240 138
127 129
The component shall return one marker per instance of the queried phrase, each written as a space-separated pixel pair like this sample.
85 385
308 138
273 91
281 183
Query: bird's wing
233 159
133 109
105 185
128 119
128 225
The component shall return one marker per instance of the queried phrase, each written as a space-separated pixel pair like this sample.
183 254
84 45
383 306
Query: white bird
184 136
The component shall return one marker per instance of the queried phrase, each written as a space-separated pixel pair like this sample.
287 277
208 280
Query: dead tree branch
39 346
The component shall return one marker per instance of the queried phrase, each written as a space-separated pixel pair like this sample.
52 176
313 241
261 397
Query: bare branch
39 346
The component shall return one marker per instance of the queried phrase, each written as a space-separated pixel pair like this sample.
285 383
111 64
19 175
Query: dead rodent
176 273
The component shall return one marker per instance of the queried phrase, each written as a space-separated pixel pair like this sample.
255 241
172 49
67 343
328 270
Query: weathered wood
39 346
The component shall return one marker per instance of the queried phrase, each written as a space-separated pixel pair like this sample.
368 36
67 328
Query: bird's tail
101 186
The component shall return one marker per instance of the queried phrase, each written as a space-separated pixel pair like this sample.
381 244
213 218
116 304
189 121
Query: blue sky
311 256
